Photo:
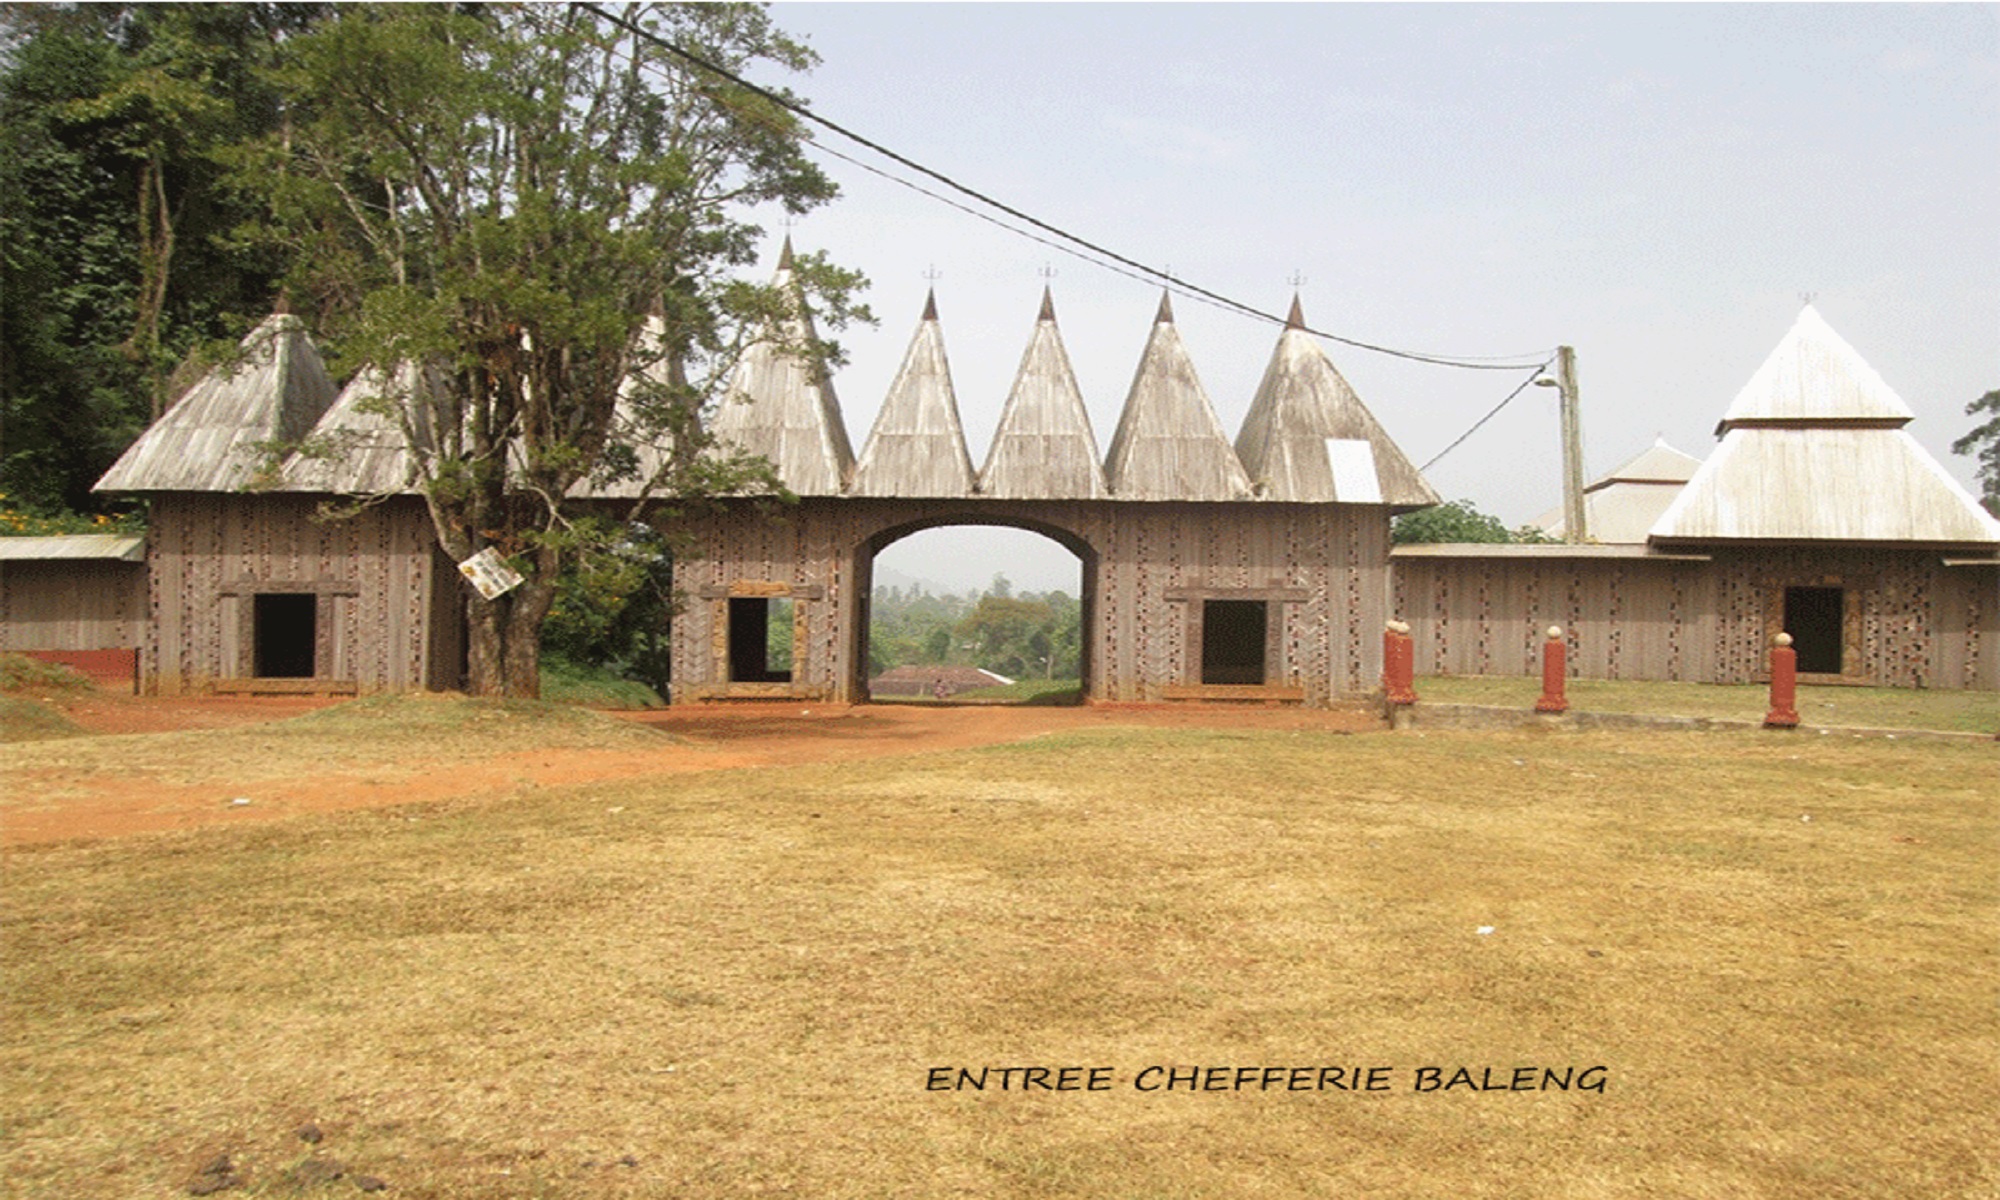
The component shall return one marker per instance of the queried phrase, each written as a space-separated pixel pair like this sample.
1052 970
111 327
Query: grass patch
386 734
24 720
739 981
19 673
1861 707
566 682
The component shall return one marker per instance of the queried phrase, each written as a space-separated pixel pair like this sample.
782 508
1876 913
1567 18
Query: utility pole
1575 519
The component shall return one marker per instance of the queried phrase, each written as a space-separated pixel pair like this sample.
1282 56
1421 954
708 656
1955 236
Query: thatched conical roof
917 447
1044 448
1169 444
213 438
359 448
1309 438
781 407
1814 449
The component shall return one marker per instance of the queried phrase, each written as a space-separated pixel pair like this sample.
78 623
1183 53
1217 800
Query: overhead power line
1149 274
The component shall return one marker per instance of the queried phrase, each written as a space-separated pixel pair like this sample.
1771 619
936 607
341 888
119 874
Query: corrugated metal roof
1814 375
917 447
100 546
1826 484
209 440
1044 448
782 408
1301 403
1813 450
1169 444
1625 501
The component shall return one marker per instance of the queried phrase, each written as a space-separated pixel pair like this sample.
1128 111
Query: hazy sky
1655 185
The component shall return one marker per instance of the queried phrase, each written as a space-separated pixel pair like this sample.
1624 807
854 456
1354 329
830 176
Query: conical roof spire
1296 319
917 447
1048 312
781 406
1309 438
1169 445
1166 314
1044 449
930 305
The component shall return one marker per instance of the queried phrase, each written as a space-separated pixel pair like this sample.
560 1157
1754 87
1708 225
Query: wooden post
1784 712
1399 664
1555 669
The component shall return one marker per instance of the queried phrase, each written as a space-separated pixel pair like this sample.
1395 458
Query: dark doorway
1814 616
286 628
760 643
1232 641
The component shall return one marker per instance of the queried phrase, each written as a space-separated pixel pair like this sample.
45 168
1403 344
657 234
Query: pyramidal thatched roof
1623 503
358 448
209 441
781 407
917 447
1044 449
1309 438
1169 444
1814 449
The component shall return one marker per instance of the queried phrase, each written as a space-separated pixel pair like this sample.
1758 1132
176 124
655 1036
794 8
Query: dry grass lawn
737 983
1861 707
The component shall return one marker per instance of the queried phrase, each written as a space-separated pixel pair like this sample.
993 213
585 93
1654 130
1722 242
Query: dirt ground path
54 806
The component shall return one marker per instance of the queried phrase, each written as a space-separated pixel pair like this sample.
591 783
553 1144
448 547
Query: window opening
286 626
1232 641
1813 616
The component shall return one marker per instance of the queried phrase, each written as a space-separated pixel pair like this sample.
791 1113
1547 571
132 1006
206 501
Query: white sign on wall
492 576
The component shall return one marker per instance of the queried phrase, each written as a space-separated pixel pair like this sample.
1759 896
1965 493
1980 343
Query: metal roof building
1813 450
1623 503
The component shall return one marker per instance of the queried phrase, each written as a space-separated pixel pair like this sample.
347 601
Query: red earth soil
712 737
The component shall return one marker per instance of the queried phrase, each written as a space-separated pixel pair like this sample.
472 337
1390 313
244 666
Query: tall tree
1983 444
509 192
112 118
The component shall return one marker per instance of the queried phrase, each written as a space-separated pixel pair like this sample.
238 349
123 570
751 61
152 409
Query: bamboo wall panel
1330 562
72 604
210 554
1914 621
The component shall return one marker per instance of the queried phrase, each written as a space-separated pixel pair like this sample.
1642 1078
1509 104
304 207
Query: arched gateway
1253 571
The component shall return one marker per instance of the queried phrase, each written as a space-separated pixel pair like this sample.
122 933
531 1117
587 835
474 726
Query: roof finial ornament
1807 298
1296 319
931 276
1048 312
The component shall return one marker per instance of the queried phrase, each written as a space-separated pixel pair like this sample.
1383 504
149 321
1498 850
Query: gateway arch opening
968 613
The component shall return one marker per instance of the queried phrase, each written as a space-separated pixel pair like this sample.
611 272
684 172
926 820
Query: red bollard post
1784 712
1399 664
1555 668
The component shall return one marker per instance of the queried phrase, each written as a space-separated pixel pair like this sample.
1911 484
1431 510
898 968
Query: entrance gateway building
1257 570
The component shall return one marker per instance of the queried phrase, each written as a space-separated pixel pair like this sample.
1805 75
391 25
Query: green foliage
112 118
548 208
1983 444
1457 521
567 682
612 606
22 522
